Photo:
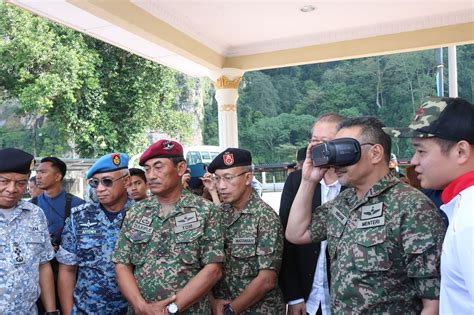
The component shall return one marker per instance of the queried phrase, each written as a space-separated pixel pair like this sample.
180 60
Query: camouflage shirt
24 245
253 240
168 251
385 248
88 240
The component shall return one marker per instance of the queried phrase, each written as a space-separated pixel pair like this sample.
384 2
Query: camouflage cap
446 118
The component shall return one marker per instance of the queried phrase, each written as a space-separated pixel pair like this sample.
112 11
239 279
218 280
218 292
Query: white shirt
457 257
320 292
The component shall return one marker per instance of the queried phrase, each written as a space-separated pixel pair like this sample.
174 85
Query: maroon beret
162 149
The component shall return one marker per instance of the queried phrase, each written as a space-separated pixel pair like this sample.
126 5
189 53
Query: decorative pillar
226 82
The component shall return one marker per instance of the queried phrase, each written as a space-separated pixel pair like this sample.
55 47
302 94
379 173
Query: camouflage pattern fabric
385 248
426 114
88 240
24 245
253 240
168 251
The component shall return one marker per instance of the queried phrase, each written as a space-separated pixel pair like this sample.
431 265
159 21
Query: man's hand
218 306
155 308
310 172
297 309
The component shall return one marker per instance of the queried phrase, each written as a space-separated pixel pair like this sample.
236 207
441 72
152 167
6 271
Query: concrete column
226 82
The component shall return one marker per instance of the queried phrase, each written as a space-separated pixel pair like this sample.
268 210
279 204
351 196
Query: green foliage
98 97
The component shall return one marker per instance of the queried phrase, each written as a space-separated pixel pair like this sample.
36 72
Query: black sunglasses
106 182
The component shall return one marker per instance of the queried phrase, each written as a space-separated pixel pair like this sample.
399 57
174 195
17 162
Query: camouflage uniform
384 248
253 241
88 240
24 245
168 251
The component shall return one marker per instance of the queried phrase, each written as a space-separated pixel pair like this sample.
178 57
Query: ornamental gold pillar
226 82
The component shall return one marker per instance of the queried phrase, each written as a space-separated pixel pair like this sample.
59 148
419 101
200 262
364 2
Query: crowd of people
351 237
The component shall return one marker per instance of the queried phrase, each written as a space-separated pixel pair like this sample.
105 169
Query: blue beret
108 163
16 161
231 157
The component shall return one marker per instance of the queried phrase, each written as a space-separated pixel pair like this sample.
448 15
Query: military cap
108 163
162 149
230 157
446 118
16 161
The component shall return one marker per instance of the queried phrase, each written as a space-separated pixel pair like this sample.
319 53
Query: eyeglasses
227 178
18 183
106 182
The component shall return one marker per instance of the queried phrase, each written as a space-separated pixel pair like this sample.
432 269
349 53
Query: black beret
16 161
231 157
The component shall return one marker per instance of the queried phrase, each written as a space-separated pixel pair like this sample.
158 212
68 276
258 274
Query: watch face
173 308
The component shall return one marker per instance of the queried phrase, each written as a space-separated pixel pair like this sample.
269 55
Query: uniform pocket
187 244
140 242
245 259
370 252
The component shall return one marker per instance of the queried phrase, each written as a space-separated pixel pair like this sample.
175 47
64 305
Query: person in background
33 189
25 248
87 281
290 168
443 136
138 189
305 268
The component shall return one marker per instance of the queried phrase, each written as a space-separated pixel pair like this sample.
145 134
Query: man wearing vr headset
384 237
88 240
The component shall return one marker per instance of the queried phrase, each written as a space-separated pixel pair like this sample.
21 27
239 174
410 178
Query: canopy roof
198 36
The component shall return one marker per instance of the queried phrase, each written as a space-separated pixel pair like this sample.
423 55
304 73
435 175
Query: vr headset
339 152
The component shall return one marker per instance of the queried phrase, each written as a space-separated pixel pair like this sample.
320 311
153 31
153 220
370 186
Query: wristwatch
228 310
172 309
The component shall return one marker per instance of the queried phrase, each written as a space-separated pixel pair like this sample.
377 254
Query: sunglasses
106 182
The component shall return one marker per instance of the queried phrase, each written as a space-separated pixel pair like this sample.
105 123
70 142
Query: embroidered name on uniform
243 241
372 211
186 218
145 221
142 228
88 224
339 216
187 227
86 231
362 224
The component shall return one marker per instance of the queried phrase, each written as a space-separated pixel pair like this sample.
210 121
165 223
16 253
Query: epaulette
83 207
26 205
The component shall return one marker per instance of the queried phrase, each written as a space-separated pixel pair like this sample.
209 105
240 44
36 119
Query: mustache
151 182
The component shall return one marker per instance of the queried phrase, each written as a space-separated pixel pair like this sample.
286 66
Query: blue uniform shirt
24 245
88 240
54 209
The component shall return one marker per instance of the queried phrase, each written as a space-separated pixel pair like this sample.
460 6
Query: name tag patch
142 228
339 216
186 218
187 227
372 211
145 221
87 232
243 241
362 224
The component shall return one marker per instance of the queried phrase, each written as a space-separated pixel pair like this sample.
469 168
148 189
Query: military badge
419 113
168 146
228 158
116 159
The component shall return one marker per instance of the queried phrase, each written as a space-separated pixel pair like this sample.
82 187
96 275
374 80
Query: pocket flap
243 251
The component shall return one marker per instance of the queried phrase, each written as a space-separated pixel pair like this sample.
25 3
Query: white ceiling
205 33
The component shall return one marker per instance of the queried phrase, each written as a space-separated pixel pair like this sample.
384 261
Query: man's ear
248 178
377 153
182 166
464 152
